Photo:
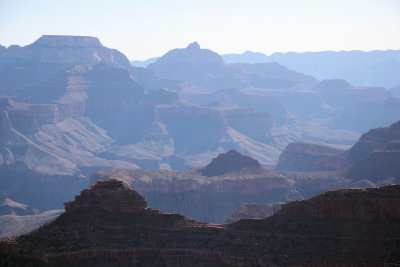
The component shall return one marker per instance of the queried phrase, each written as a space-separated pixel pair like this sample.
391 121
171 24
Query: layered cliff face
215 198
311 157
339 228
374 139
376 155
374 158
377 166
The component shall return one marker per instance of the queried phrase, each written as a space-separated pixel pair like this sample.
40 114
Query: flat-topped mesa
66 40
230 161
108 195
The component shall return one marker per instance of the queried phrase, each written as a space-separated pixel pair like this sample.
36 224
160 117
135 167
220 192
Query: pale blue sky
147 28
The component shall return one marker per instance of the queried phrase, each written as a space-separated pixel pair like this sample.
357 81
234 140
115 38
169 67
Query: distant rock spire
194 45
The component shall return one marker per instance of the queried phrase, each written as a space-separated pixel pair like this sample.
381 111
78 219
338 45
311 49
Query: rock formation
339 228
311 157
377 166
229 162
68 50
374 139
123 199
207 70
376 155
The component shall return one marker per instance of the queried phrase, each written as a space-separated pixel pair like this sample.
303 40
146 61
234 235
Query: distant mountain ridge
362 68
207 69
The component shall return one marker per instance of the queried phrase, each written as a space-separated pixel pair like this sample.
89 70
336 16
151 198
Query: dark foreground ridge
110 225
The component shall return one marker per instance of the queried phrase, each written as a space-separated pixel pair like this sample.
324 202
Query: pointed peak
108 195
194 45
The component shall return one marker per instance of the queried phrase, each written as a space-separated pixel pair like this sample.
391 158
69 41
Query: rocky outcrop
230 161
376 155
335 229
123 199
339 228
311 157
377 166
374 139
201 67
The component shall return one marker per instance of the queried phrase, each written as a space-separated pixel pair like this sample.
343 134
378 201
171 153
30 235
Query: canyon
215 141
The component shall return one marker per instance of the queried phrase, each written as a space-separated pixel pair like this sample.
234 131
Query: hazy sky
147 28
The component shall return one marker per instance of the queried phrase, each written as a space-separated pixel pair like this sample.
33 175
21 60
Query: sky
148 28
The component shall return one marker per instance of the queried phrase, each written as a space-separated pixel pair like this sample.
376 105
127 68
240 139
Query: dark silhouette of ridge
350 227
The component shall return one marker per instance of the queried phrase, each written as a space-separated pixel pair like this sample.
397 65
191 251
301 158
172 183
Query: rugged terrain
109 225
71 107
213 193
